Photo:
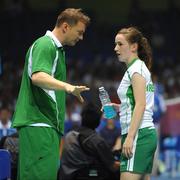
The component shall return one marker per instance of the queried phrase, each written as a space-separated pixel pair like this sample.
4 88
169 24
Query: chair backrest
5 164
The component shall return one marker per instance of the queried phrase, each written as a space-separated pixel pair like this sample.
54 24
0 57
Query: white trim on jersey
30 62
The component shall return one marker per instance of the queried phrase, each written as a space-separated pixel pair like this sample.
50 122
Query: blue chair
5 164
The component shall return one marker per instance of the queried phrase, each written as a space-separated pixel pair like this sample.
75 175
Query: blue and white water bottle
109 111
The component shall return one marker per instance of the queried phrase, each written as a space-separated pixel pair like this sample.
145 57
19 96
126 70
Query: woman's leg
146 177
130 176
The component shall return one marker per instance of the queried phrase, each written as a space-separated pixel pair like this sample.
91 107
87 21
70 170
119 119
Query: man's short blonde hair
72 17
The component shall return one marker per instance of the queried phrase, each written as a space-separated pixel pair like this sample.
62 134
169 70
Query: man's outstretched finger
83 88
80 98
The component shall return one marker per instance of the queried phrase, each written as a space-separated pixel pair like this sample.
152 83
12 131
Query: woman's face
122 48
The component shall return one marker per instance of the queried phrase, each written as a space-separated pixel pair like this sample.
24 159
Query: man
84 148
10 143
5 122
158 112
40 109
112 134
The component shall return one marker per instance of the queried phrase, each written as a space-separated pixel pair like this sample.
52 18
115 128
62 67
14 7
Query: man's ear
65 27
134 47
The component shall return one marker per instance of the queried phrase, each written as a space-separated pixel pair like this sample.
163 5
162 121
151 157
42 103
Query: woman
136 92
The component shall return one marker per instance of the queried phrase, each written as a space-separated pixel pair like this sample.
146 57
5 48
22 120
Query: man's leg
38 153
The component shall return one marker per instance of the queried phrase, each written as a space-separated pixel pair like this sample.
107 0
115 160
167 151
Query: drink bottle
109 111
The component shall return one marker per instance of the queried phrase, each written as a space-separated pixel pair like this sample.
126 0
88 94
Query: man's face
75 33
4 116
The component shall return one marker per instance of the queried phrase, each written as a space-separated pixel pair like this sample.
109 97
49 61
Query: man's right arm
46 81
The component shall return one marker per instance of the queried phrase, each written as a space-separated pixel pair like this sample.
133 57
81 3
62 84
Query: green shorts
144 148
38 153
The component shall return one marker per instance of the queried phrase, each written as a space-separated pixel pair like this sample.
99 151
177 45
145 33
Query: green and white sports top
38 106
125 93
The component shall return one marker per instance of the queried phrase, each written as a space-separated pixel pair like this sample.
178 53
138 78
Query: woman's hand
127 147
116 107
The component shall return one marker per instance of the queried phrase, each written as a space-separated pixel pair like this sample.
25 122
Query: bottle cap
101 88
